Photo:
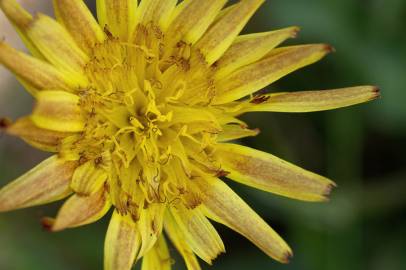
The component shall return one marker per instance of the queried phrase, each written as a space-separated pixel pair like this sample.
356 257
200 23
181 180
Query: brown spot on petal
107 32
260 99
153 226
146 204
222 173
98 161
107 187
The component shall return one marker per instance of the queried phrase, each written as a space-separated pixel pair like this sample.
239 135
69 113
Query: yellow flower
139 108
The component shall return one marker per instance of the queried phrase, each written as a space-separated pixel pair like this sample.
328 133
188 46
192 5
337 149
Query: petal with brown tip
312 101
224 206
267 172
277 64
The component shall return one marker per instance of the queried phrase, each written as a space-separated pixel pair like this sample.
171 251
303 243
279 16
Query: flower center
147 120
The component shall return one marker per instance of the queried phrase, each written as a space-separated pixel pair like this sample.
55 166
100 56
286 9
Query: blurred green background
362 148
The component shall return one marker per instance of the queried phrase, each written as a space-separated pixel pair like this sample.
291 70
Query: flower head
140 107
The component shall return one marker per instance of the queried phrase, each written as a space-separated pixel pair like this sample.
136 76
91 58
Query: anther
82 160
260 99
98 161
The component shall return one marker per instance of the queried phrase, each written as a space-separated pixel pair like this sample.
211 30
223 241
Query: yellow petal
28 87
156 11
191 18
118 115
267 172
158 257
277 64
38 74
20 19
47 182
179 241
225 11
101 13
122 243
187 114
222 34
44 139
311 101
150 225
79 22
88 178
117 16
250 48
235 132
227 118
15 13
82 210
199 233
224 206
171 138
58 111
58 46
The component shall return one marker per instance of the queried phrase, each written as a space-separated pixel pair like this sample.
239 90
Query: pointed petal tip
47 224
376 92
5 123
215 257
16 13
328 190
284 255
322 47
295 31
287 256
329 48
